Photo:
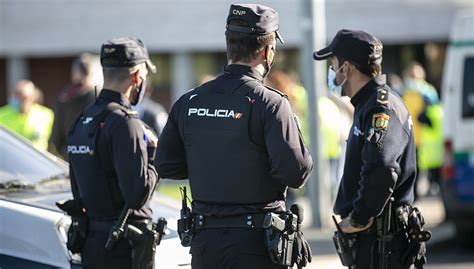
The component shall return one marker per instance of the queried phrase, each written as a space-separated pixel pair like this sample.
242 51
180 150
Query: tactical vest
93 181
224 165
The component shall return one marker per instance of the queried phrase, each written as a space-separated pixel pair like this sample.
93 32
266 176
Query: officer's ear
266 52
135 76
347 67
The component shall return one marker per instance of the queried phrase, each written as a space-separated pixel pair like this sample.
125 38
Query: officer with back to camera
380 166
111 154
239 144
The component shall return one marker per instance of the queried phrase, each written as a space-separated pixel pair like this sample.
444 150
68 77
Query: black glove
301 250
415 254
416 251
77 232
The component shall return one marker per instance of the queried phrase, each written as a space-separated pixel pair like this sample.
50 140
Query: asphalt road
447 255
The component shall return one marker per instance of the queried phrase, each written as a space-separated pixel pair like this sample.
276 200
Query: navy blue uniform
217 156
380 163
380 159
110 169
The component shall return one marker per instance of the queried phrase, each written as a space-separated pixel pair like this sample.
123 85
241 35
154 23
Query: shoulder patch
382 96
380 121
130 113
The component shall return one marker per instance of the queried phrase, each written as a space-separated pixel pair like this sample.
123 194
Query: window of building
468 89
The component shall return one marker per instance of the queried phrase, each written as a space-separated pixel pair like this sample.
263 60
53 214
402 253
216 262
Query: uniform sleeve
170 159
136 174
74 187
384 143
290 161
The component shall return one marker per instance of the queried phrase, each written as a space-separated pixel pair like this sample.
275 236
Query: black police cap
261 20
125 52
355 46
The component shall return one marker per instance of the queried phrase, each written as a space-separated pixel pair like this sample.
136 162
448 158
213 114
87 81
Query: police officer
380 158
111 153
239 144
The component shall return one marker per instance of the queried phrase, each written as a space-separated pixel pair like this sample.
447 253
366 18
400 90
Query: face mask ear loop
345 77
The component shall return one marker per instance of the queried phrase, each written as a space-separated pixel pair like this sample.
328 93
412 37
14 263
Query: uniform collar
238 69
363 94
113 96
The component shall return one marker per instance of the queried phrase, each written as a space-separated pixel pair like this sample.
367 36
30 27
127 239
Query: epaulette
130 113
275 90
382 96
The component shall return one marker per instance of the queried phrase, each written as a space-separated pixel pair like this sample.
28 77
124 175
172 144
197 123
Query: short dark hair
371 69
120 74
243 46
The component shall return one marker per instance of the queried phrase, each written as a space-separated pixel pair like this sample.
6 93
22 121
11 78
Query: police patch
380 121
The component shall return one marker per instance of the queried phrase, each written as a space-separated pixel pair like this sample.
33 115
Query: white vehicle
33 230
458 102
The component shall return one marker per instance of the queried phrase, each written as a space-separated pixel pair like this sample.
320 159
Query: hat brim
322 54
151 66
279 37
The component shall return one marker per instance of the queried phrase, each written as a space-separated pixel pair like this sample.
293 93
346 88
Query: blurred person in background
24 116
86 74
426 110
150 112
329 114
395 82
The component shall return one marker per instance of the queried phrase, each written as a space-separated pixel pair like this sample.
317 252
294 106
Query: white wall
65 27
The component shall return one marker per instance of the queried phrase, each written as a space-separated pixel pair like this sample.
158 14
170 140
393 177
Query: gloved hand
415 254
416 251
301 250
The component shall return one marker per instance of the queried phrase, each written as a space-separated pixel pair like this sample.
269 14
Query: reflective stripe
464 176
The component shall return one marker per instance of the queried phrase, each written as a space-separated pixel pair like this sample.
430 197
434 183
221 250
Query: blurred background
51 46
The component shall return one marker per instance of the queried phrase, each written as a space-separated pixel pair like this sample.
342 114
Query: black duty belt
250 221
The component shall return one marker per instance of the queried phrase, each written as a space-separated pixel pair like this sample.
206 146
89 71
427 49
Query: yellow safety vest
35 126
431 148
415 104
329 115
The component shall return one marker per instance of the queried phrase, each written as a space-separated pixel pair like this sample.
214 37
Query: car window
20 161
468 89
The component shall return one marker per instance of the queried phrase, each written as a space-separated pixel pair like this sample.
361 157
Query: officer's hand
347 228
151 138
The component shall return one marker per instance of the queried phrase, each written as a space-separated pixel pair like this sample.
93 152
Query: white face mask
337 89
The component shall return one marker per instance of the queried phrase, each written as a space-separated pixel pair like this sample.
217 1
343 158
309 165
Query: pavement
324 253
